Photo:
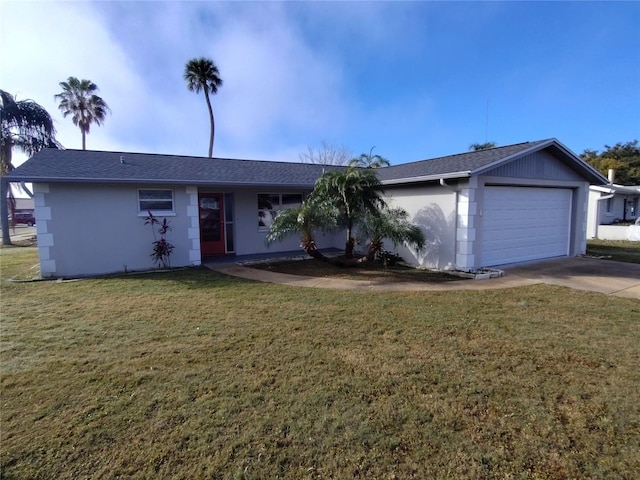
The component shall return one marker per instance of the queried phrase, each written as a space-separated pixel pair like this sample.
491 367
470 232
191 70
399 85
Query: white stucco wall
87 229
433 208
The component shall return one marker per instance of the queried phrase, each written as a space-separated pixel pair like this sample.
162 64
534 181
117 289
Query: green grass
192 374
619 250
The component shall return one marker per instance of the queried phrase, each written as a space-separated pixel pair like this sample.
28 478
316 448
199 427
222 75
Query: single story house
609 205
503 205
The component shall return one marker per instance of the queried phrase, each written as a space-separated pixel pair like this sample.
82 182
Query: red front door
211 223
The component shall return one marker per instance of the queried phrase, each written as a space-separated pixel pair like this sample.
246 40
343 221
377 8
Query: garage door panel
522 223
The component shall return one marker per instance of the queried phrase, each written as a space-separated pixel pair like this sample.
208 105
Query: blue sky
415 79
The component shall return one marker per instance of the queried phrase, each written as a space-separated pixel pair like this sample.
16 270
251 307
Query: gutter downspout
446 185
611 176
598 200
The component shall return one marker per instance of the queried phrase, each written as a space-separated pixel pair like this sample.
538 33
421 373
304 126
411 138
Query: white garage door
523 223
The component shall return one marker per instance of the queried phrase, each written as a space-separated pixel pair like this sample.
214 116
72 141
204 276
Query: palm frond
202 74
78 99
25 125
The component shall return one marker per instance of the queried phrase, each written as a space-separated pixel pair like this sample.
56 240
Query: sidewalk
21 232
259 275
594 275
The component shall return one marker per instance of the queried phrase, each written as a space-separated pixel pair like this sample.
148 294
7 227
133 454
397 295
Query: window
269 204
609 207
159 202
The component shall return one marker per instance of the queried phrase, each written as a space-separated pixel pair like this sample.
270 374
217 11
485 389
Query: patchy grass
620 250
193 374
19 262
364 271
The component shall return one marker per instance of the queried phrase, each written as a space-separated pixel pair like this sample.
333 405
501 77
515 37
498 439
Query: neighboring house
24 205
611 204
492 207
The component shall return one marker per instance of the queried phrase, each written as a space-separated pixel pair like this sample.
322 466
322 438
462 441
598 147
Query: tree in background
624 158
327 154
27 126
78 99
202 74
369 160
475 147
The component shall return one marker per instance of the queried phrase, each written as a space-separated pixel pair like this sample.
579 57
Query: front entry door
211 223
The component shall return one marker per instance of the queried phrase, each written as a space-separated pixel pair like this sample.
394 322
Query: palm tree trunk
84 140
213 126
4 211
5 167
348 251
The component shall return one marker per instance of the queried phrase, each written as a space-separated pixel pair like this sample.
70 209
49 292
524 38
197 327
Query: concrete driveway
595 275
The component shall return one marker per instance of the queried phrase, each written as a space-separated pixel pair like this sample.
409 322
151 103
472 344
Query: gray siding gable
539 165
460 165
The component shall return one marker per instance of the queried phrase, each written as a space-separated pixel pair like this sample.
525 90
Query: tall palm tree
78 98
202 74
28 127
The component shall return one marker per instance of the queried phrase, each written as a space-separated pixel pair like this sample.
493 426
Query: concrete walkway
610 278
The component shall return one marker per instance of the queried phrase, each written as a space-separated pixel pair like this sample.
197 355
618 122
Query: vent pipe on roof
611 175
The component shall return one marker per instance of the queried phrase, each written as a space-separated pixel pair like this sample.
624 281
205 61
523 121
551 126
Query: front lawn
619 250
192 374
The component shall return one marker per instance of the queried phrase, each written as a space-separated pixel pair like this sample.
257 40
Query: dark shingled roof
452 166
52 165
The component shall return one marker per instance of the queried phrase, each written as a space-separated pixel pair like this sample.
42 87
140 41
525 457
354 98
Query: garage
520 224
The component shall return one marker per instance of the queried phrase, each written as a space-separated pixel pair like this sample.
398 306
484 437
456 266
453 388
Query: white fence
618 232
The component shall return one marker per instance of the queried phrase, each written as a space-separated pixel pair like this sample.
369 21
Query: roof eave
147 181
501 161
426 178
589 172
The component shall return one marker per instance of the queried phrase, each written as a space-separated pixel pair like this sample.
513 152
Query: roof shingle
53 165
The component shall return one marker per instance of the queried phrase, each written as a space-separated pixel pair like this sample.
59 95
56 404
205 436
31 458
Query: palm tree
475 147
202 74
355 192
78 98
394 224
314 214
369 160
337 202
27 126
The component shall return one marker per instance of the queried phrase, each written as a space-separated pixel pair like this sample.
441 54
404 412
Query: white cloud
278 91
